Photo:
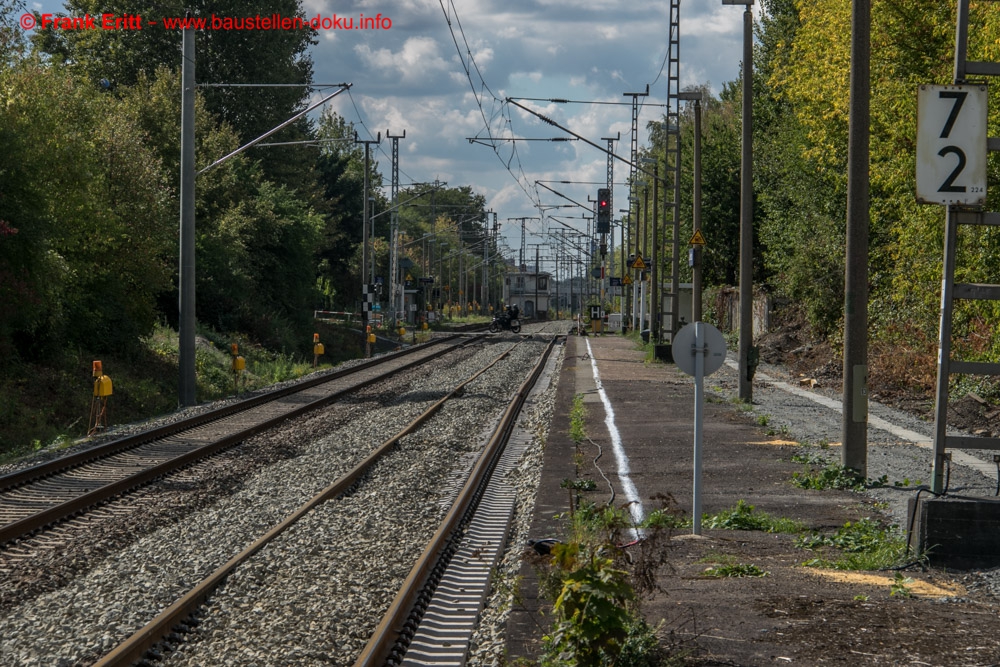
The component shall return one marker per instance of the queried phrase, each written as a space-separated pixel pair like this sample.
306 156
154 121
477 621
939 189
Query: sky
441 72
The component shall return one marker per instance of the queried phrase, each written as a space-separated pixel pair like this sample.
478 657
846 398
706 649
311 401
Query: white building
529 291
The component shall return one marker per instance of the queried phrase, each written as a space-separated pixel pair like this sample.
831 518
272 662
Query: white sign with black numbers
951 144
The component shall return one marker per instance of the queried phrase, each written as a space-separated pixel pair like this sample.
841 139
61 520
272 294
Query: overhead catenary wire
499 111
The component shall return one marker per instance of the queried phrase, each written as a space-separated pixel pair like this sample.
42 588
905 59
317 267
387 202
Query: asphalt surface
746 455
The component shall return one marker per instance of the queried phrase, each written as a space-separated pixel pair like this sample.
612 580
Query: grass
47 405
745 517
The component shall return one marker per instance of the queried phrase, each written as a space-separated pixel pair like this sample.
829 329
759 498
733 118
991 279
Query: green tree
121 57
86 215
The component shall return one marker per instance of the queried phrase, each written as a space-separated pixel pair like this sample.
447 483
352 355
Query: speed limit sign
951 144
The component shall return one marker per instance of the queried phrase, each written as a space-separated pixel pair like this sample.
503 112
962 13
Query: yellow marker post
99 404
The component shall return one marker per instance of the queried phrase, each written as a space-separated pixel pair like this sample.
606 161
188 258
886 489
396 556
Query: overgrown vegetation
51 410
745 516
596 586
865 544
835 476
735 570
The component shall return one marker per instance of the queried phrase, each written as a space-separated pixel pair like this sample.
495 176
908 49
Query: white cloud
417 57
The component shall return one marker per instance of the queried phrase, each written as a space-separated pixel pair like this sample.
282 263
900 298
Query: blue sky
412 77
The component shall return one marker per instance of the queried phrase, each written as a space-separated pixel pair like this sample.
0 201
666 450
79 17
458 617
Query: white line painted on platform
914 438
624 473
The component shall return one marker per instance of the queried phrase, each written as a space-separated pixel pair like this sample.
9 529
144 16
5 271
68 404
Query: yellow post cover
102 387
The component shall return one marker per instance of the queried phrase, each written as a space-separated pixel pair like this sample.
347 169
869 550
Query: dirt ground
793 615
791 345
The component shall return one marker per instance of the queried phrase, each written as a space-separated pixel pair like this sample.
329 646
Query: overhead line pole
395 285
854 453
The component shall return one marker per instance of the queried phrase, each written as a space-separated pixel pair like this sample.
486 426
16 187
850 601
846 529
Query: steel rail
89 499
28 475
133 648
390 637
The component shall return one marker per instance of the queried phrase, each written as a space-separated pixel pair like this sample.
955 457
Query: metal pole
854 453
696 217
944 352
746 216
186 294
699 401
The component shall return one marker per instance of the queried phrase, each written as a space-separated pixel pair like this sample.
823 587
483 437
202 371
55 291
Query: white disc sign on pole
699 349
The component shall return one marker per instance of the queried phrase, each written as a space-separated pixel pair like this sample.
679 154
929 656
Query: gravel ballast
321 587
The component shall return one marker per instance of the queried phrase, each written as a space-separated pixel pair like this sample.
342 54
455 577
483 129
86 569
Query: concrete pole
746 215
364 222
186 292
854 453
654 299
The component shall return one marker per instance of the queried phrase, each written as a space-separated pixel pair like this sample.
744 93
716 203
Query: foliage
596 587
835 476
745 517
900 586
737 570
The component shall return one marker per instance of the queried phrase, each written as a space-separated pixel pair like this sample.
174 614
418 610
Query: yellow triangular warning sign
409 278
638 263
627 280
697 238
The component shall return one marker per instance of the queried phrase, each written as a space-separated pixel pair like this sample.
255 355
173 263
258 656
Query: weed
834 476
596 586
867 545
737 570
665 519
579 484
810 458
576 416
861 598
900 586
717 558
745 517
762 420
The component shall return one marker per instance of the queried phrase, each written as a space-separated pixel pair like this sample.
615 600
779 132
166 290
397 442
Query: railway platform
794 614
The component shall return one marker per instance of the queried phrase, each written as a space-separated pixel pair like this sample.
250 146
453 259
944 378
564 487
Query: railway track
40 496
354 549
390 634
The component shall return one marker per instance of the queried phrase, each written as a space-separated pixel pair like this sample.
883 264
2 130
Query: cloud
418 57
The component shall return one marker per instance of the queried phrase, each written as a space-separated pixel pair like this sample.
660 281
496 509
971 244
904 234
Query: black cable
947 476
600 453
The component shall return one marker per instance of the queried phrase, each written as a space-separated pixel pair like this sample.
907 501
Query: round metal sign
684 348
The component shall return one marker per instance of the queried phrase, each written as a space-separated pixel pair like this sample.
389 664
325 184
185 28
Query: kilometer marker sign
951 144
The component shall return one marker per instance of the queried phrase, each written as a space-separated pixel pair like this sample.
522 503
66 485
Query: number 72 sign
951 144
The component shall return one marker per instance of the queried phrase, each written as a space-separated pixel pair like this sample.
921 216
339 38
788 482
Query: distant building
529 291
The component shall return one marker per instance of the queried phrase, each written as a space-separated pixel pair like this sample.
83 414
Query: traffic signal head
603 210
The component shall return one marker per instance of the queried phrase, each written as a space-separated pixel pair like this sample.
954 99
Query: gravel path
891 453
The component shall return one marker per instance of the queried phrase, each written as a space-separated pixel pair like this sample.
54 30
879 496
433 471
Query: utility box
956 532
